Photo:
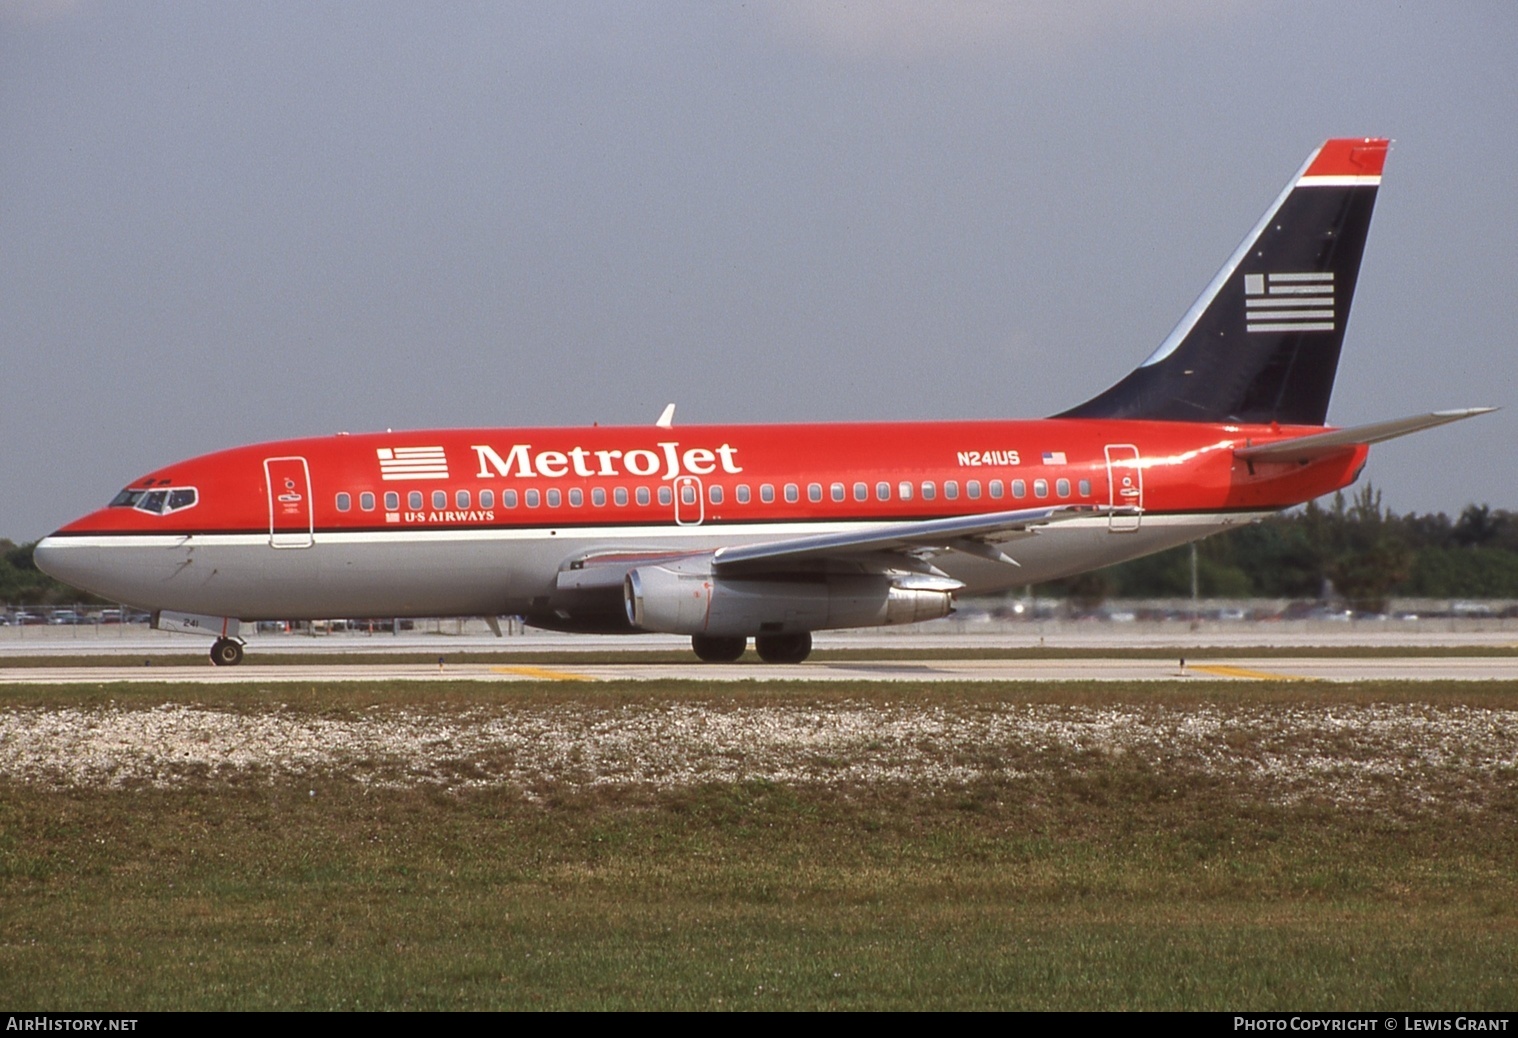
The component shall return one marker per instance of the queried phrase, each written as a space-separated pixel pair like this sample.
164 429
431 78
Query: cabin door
292 522
1125 486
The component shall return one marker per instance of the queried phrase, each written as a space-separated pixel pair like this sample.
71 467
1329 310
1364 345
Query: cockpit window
157 502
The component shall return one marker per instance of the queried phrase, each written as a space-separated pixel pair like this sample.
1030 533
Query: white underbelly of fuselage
475 572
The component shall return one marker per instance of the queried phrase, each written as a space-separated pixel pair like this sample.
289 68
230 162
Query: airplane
772 532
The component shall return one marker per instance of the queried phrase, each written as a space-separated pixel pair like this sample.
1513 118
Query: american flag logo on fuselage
412 463
1289 302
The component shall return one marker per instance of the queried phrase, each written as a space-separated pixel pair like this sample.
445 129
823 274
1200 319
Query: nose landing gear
226 652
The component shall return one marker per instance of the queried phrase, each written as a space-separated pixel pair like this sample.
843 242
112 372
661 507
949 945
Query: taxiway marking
1225 671
544 673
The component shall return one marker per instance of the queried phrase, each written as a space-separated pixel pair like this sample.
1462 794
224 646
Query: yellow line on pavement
541 672
1225 671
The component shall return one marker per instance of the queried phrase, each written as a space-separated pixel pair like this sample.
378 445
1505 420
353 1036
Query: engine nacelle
689 599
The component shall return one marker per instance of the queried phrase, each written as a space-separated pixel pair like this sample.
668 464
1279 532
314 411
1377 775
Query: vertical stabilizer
1262 343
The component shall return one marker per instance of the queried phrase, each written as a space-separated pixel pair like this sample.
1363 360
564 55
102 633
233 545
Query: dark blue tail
1262 343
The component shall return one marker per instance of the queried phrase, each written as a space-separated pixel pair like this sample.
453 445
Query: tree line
1350 548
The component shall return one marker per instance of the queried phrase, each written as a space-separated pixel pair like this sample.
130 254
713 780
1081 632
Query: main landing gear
773 648
784 648
226 652
712 648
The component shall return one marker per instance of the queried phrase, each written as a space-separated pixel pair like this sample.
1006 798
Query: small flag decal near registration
412 463
1289 302
1054 457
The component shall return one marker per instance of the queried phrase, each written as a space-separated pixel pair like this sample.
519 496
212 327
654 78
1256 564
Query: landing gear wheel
711 648
784 648
226 653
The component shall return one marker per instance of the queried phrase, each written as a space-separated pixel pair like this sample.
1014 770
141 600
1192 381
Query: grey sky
223 223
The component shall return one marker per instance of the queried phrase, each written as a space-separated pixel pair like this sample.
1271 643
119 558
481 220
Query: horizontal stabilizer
1315 445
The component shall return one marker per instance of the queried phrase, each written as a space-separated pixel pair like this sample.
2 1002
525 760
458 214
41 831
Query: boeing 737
771 532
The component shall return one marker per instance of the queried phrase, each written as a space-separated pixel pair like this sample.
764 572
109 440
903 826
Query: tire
784 648
711 648
226 653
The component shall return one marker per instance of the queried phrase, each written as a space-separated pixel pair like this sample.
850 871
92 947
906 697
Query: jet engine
685 598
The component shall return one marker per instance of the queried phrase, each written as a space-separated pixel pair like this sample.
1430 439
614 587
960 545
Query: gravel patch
1418 754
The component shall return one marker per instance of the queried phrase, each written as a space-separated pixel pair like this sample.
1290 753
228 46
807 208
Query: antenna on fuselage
667 419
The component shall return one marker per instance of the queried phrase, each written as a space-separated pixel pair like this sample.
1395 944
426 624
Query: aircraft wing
972 534
977 535
1315 445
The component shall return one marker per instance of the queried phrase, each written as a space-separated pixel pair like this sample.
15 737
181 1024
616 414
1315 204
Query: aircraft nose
43 554
60 562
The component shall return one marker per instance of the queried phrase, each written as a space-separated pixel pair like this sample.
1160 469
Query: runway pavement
940 644
1343 669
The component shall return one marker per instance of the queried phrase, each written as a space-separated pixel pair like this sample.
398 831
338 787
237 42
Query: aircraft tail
1262 343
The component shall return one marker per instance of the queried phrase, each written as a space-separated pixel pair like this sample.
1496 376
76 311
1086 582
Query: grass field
1219 846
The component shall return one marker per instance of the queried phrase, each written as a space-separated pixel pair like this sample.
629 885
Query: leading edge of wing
959 533
1315 445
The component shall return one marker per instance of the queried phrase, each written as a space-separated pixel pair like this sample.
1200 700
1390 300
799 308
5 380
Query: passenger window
1019 488
951 490
904 491
972 490
598 496
767 493
508 499
1062 487
743 493
555 499
792 493
883 491
1040 488
461 500
1085 488
487 498
666 496
532 498
814 492
837 491
996 488
715 493
576 497
440 499
643 495
687 494
344 502
929 490
366 500
861 492
619 495
414 500
392 500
